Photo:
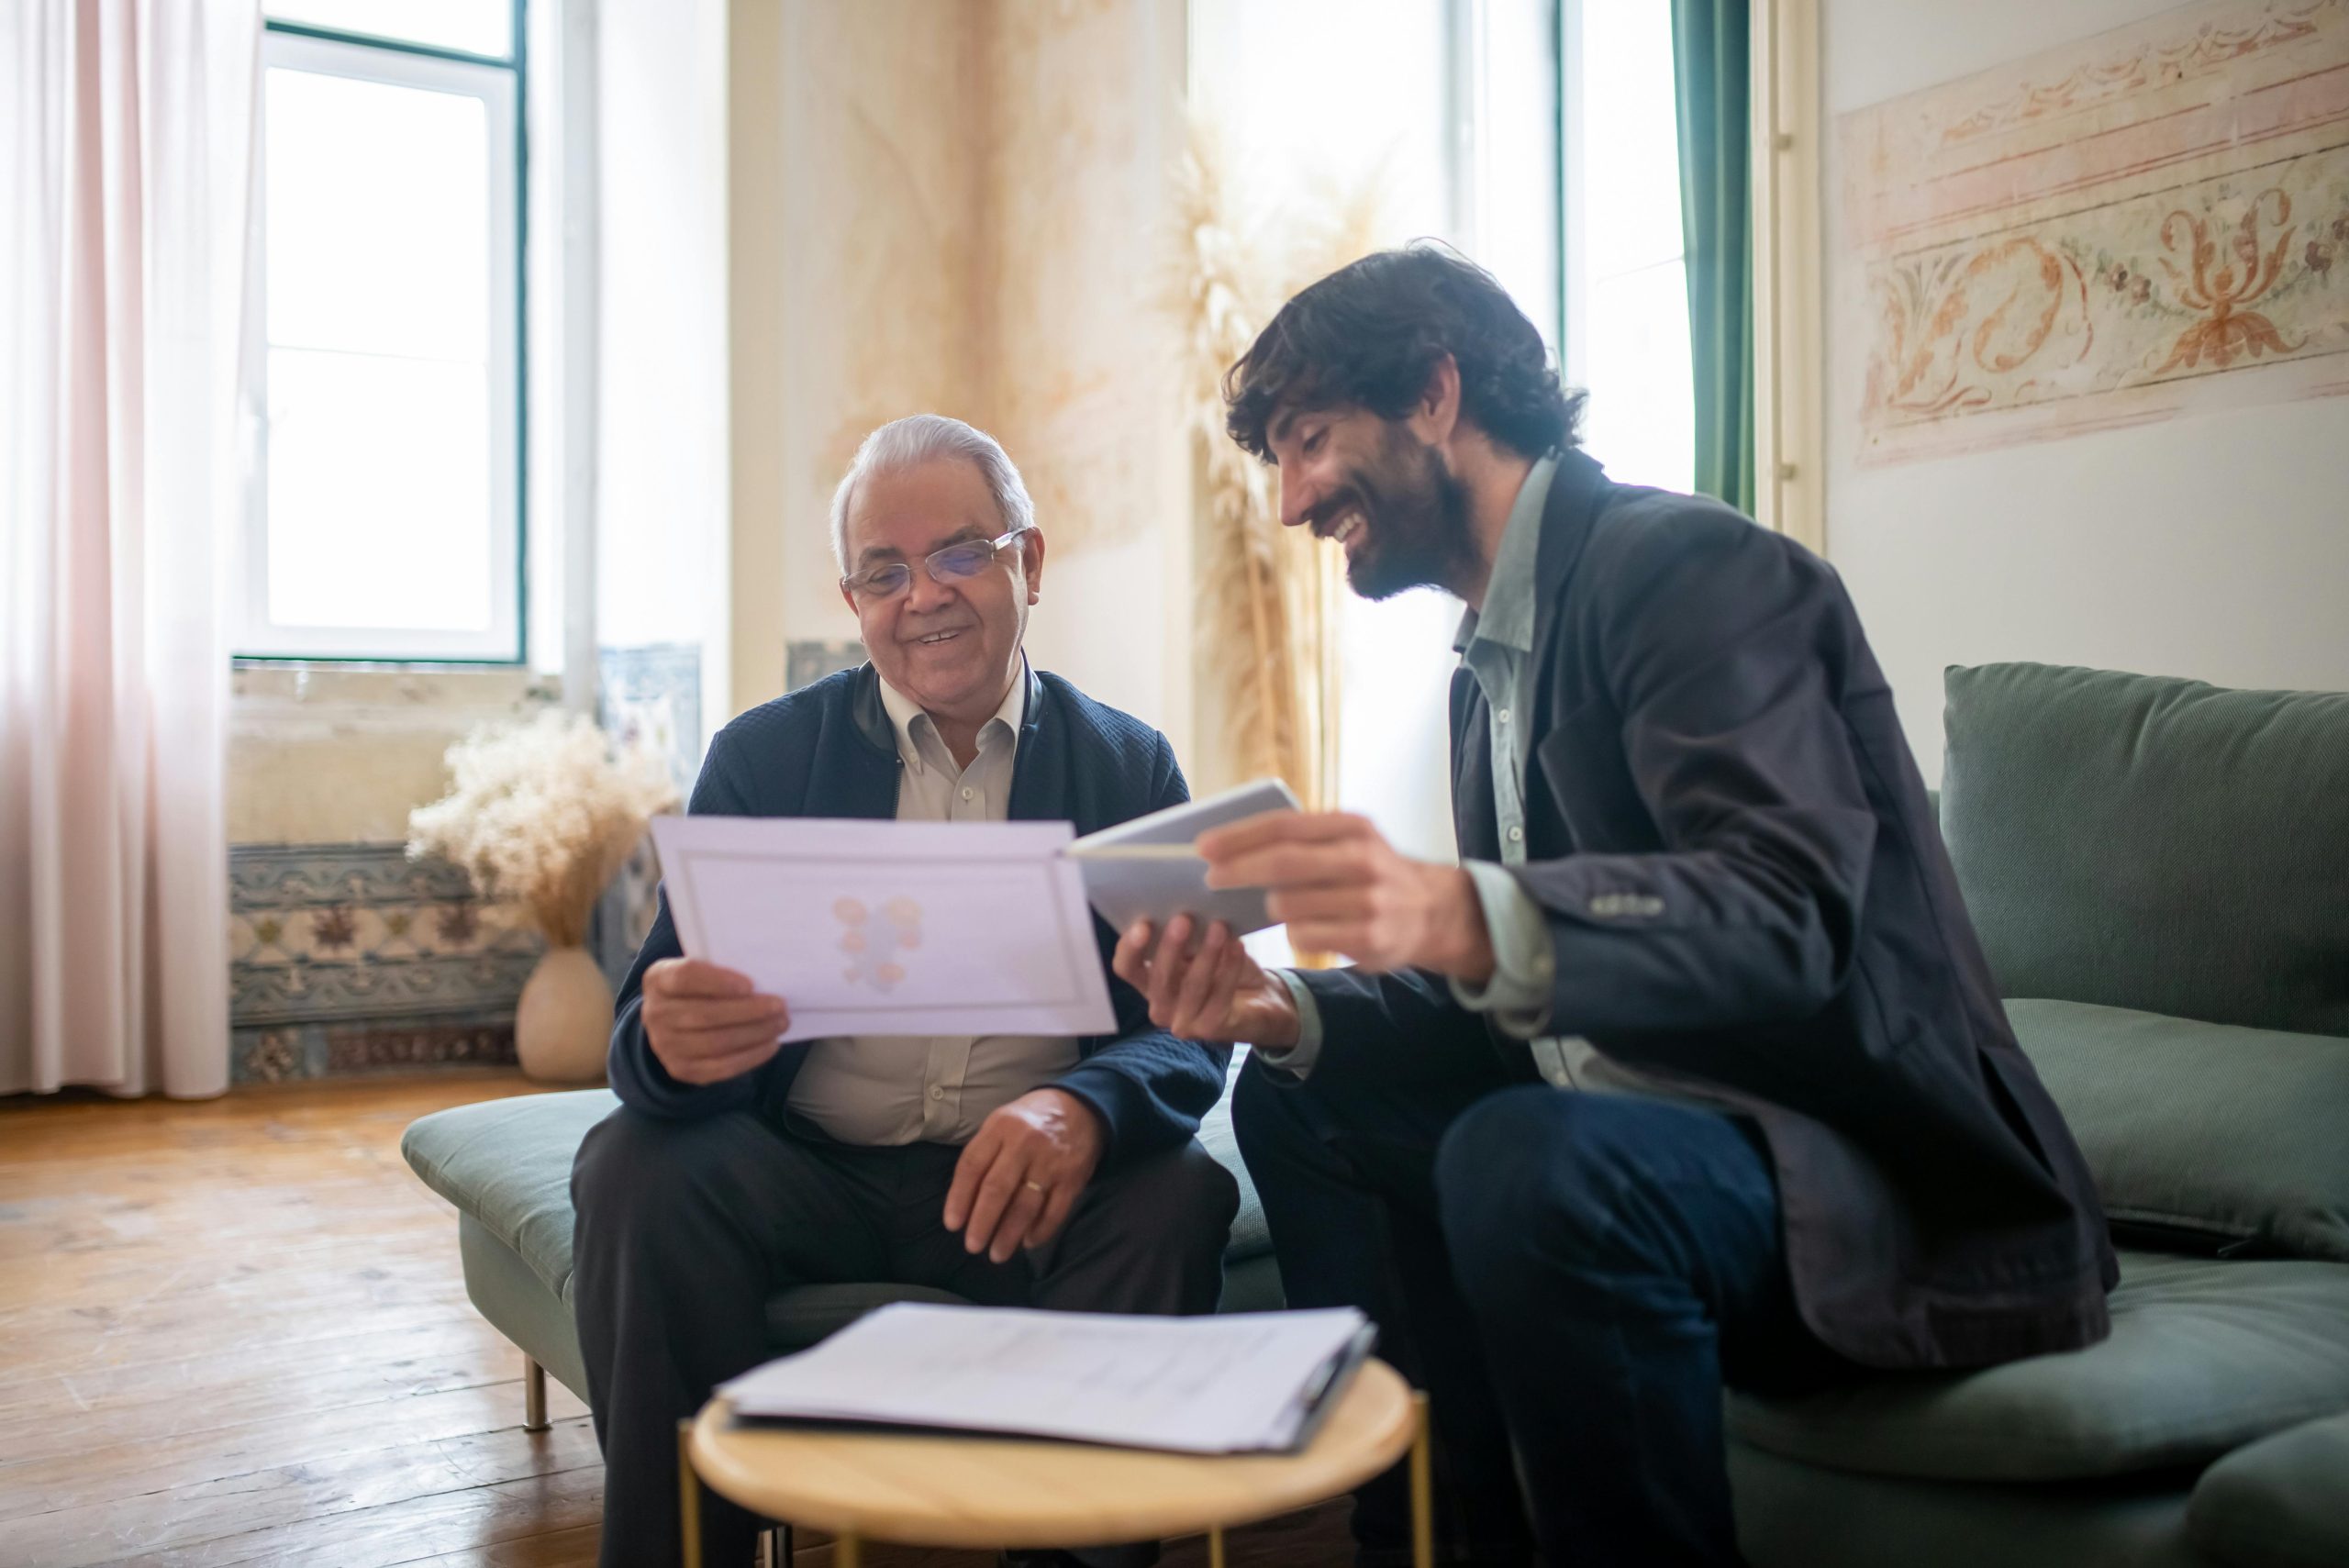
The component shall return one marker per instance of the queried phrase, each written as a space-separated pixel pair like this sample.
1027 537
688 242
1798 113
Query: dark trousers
686 1228
1572 1277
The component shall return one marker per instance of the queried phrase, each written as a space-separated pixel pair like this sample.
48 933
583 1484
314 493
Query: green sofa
2160 874
2159 871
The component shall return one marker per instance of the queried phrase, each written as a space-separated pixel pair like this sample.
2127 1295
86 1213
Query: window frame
1790 356
502 85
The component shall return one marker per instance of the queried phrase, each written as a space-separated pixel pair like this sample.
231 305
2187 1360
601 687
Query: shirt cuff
1298 1060
1525 967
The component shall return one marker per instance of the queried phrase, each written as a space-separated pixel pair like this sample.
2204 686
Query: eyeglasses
955 563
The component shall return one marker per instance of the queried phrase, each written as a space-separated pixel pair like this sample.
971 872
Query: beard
1415 520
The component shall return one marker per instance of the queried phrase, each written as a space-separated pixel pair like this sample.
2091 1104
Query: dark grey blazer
1748 898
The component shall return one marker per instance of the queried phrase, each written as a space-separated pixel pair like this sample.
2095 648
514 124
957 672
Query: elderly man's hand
1023 1172
1343 888
706 1024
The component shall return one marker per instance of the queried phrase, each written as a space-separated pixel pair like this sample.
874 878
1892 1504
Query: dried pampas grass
543 814
1269 600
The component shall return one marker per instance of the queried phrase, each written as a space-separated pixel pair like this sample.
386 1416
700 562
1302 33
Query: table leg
689 1496
1215 1546
847 1551
1422 1487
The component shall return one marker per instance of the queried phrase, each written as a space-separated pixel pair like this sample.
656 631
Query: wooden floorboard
235 1331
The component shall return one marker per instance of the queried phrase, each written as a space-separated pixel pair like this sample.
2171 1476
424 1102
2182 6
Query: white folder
1146 869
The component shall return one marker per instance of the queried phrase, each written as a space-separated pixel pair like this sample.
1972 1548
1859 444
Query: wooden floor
235 1331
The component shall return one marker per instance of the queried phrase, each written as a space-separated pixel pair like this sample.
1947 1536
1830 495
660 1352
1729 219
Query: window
386 518
1625 279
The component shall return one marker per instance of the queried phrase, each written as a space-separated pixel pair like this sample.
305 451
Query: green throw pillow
2160 844
2238 1137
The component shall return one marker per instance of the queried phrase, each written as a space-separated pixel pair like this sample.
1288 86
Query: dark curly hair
1369 335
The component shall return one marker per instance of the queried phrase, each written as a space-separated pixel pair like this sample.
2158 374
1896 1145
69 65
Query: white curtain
126 159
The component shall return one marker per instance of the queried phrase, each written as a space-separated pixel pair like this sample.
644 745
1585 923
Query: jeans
1573 1278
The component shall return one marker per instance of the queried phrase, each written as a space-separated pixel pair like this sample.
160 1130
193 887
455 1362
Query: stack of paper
1237 1383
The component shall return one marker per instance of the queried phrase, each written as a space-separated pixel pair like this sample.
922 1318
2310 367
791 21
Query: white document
1144 870
892 928
1233 1383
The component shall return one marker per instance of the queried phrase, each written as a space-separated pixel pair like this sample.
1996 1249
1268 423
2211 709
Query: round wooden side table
989 1492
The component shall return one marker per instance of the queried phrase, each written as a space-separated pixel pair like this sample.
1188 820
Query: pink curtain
125 164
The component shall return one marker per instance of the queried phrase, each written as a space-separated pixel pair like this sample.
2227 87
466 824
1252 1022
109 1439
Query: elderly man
1011 1171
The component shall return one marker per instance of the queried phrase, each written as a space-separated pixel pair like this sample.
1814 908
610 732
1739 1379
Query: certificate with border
878 927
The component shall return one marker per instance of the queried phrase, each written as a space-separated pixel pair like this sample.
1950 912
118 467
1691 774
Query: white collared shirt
891 1089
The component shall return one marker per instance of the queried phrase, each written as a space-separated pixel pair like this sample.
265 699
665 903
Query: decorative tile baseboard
319 1051
349 957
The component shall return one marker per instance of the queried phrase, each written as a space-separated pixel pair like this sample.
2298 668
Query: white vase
563 1024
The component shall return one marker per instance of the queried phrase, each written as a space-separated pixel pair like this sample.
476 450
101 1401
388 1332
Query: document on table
876 927
1234 1383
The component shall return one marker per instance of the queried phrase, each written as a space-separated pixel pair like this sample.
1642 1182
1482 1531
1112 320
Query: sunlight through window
1628 343
386 514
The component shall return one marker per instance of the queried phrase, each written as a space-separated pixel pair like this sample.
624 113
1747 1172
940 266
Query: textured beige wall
968 215
1080 368
878 189
1073 335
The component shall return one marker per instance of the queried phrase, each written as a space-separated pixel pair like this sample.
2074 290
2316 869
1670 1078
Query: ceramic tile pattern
349 957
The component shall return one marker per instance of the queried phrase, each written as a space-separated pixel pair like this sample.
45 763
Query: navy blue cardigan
828 751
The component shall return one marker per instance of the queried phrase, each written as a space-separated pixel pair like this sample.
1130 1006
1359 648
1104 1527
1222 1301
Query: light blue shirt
1496 646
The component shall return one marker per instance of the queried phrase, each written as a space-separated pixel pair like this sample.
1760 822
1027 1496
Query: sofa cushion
2151 843
2204 1355
1802 1516
507 1164
2282 1502
2234 1135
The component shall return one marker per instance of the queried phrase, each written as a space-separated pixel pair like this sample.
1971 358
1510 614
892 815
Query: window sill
279 697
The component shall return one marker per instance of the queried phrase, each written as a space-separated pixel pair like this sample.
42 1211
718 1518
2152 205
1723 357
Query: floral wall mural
2148 221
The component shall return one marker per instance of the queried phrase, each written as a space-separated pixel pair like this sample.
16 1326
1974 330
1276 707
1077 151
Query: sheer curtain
125 146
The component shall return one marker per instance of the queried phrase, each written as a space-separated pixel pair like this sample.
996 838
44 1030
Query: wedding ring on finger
1035 1187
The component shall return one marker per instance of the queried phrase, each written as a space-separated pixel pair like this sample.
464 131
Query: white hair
907 443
